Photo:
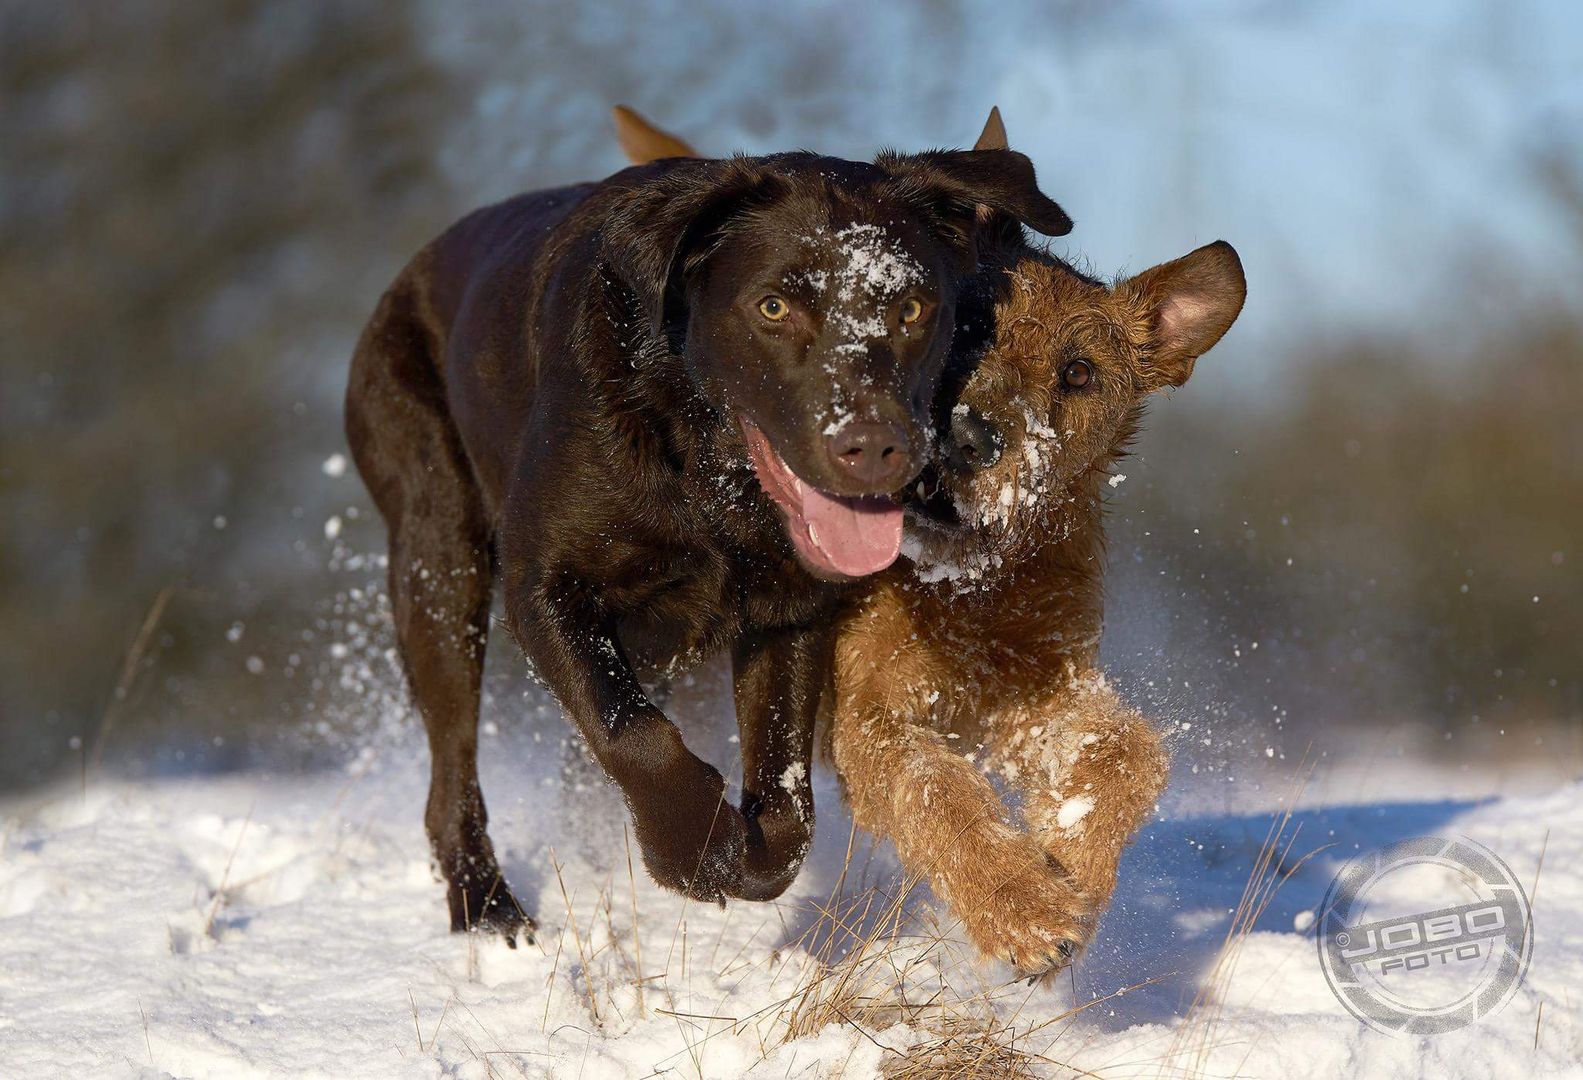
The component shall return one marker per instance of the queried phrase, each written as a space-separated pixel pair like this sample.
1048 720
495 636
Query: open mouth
930 503
842 535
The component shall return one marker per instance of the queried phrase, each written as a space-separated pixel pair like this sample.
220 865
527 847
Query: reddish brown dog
982 653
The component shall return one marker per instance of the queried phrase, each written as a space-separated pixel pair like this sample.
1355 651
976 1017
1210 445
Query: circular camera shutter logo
1425 936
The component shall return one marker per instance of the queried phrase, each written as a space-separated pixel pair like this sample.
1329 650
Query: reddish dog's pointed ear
1190 302
642 142
993 137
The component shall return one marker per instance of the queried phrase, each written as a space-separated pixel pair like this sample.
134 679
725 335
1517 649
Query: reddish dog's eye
1076 374
774 308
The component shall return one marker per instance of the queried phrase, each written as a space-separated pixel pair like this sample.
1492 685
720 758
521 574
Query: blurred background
1354 533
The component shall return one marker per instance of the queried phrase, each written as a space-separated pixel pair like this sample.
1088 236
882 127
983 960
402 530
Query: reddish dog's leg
906 782
1090 769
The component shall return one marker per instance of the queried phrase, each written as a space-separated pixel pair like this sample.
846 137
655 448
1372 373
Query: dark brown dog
666 410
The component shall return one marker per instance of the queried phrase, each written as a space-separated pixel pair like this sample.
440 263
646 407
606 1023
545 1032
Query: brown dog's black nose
873 453
974 444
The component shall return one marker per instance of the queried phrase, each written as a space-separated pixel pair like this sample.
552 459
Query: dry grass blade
149 1042
637 933
225 878
549 983
440 1023
128 674
1533 890
577 939
1195 1038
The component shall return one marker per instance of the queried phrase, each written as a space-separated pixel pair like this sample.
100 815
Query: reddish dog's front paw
1027 914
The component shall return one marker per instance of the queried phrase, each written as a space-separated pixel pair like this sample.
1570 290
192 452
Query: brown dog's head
1060 390
812 300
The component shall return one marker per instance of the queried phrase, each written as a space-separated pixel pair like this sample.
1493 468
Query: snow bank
324 954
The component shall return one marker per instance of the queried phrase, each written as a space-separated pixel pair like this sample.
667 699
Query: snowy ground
266 925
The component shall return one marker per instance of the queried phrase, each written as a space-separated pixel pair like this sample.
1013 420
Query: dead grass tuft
886 968
1198 1034
958 1050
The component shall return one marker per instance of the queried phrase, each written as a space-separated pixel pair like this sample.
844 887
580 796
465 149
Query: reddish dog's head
1060 390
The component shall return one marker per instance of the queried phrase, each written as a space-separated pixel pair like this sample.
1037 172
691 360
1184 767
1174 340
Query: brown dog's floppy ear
1190 302
642 142
993 137
958 182
656 231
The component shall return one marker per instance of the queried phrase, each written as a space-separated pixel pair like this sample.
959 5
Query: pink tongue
850 536
842 535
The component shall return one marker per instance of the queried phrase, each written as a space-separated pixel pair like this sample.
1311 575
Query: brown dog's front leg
948 824
692 839
905 782
778 678
1091 769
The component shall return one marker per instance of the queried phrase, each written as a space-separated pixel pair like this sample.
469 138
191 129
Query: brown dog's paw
698 849
694 841
491 910
1037 921
778 841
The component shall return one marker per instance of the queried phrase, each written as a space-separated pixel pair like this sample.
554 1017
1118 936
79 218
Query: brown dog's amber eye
774 308
1076 374
911 310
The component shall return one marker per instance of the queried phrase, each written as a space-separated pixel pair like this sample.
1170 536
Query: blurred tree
198 205
1402 535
